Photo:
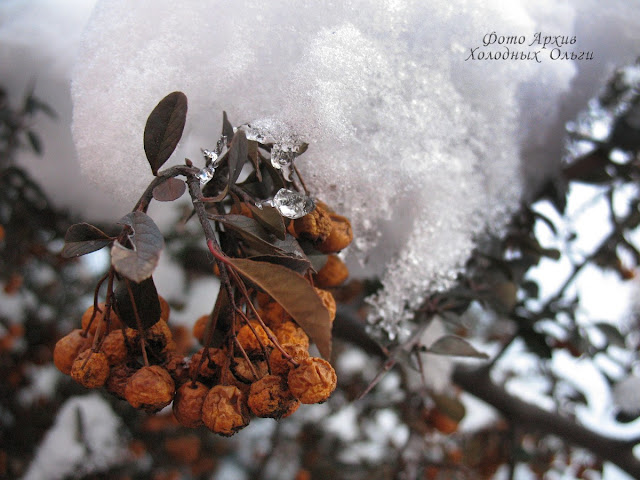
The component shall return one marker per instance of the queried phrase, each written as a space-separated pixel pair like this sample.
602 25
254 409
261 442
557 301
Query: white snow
420 148
86 437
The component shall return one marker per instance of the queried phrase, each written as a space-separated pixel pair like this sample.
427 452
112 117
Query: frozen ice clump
418 147
85 438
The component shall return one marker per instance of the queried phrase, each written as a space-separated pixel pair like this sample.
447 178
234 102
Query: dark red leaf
164 129
139 262
170 190
145 296
83 238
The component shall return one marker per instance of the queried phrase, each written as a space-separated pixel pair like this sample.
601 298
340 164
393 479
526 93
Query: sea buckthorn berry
187 404
115 322
332 274
200 327
270 397
224 410
242 371
114 348
90 369
209 370
249 340
165 309
279 364
340 237
118 378
313 380
289 333
150 388
328 301
68 348
315 226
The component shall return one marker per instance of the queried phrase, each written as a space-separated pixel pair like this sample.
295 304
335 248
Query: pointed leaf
455 346
299 265
270 219
164 129
83 238
227 128
255 158
138 263
296 296
237 156
251 232
170 190
146 300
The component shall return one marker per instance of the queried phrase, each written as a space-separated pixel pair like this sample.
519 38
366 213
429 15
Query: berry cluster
256 363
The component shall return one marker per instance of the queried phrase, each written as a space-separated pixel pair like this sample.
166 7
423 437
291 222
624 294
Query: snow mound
414 142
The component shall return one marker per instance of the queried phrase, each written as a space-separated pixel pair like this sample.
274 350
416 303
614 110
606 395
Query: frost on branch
418 147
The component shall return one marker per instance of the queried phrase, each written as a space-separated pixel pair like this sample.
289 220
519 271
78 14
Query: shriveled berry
90 369
328 301
150 388
115 322
273 314
313 380
243 372
187 404
224 410
315 226
289 333
253 342
340 237
270 397
280 365
176 364
114 348
332 274
68 348
207 370
118 378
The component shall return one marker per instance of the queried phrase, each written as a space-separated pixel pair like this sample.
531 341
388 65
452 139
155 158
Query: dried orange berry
224 410
289 333
177 365
150 388
242 371
68 348
114 348
158 338
187 404
333 273
315 226
313 380
118 378
340 237
273 314
115 322
279 364
253 342
328 301
165 309
270 397
200 327
90 369
207 371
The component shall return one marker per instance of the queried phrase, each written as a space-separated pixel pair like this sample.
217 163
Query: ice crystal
291 204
